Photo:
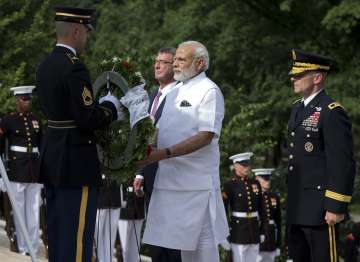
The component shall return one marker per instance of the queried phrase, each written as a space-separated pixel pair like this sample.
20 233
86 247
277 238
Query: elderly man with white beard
186 211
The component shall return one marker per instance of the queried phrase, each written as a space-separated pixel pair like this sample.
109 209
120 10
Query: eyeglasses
162 62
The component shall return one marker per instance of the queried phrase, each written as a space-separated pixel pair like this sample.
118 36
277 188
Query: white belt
245 214
23 149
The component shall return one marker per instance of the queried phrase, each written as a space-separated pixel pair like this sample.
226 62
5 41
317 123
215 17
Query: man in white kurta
186 211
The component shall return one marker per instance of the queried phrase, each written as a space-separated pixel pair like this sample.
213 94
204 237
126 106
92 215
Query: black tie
299 111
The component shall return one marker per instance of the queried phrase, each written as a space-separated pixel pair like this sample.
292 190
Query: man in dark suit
163 72
69 165
321 166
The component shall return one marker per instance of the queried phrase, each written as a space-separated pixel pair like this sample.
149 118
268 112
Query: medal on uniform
35 124
309 147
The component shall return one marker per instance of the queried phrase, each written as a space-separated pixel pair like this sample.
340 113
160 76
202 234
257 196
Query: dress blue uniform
242 195
22 129
69 165
321 168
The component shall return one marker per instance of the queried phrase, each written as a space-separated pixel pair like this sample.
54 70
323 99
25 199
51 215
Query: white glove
136 100
262 238
277 252
2 185
111 98
226 245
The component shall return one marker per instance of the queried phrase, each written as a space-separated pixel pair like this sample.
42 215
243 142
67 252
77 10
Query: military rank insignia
35 124
312 121
87 97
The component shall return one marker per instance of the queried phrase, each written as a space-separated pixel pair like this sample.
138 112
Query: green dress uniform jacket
23 132
271 222
69 155
243 196
321 166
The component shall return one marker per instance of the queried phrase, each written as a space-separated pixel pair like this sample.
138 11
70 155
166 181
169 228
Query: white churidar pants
206 250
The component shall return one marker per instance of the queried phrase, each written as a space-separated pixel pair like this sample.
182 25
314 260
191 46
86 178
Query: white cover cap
241 157
22 90
263 171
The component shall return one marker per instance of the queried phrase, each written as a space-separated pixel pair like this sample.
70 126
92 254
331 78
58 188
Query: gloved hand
262 238
136 100
111 98
226 245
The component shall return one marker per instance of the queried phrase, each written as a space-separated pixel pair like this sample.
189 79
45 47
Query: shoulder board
334 105
72 58
297 100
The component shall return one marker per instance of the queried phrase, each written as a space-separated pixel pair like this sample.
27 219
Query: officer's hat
74 15
22 91
303 62
243 158
265 173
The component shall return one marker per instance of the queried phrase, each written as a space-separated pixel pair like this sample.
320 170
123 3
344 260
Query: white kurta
186 185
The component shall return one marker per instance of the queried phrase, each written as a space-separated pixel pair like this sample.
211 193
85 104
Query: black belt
61 124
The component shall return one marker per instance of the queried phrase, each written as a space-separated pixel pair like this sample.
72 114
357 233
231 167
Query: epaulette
297 100
335 105
72 58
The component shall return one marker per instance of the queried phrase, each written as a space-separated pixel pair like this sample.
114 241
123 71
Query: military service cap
265 173
74 15
303 62
23 91
243 158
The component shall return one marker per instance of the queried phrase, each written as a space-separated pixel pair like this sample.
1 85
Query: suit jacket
149 172
69 155
321 165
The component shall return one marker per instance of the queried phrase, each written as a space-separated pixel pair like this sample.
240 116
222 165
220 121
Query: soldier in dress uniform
243 196
321 165
271 217
132 214
23 132
107 218
69 164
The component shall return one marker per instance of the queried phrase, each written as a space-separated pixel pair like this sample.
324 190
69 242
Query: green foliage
248 41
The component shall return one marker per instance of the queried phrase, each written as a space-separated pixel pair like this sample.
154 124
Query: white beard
186 74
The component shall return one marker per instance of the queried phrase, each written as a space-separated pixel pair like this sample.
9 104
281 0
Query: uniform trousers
244 253
206 250
105 233
70 219
129 231
313 243
266 256
27 199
